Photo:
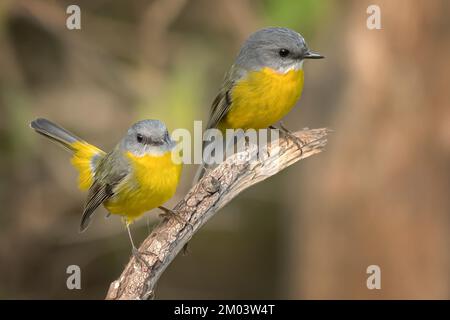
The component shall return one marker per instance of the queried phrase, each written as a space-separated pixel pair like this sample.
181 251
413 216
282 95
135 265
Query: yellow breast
262 98
153 181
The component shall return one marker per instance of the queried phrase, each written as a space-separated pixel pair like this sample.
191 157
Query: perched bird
263 84
138 175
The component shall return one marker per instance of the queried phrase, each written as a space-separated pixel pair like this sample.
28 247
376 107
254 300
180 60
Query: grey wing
219 108
110 172
222 103
98 193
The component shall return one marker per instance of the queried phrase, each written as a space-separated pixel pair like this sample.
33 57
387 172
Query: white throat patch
295 66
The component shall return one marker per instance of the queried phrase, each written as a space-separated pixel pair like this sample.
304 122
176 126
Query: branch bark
239 172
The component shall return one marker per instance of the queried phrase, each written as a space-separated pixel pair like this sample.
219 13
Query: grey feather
97 195
110 171
262 48
54 132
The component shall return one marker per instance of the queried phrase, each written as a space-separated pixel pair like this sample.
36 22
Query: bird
263 84
136 176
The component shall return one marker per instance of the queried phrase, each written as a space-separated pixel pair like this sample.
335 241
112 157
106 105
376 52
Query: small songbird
138 175
263 84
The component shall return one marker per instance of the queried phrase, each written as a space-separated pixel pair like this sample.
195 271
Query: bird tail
55 133
204 167
85 156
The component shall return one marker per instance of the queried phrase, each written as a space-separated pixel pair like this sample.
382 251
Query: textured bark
213 191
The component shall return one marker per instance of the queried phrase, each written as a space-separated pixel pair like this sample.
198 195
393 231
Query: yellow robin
138 175
263 84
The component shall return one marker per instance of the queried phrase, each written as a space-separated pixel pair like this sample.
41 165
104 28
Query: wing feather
222 103
110 171
98 193
219 109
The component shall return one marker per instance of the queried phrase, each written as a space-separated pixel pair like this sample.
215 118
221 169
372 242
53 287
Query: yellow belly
263 98
154 181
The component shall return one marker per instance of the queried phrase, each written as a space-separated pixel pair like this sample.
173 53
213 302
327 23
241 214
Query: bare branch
213 191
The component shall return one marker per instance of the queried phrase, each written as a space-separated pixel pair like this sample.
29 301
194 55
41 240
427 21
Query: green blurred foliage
304 15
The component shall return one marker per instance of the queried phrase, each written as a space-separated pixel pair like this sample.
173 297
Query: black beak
312 55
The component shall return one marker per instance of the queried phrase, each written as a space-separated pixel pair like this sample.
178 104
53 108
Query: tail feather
86 157
54 132
204 167
227 149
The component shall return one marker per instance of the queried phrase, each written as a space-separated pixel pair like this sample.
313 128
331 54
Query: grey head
148 137
280 49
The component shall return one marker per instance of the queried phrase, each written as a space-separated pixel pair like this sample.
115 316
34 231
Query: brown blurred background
378 195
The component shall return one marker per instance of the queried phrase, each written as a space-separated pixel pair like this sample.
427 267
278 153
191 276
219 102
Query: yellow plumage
263 98
83 160
139 174
153 181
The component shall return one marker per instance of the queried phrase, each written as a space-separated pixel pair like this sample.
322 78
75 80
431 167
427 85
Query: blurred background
380 194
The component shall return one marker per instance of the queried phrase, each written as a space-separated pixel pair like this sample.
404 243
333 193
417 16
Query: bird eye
139 138
283 52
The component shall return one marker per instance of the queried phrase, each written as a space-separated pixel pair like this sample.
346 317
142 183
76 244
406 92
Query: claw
168 213
298 142
138 256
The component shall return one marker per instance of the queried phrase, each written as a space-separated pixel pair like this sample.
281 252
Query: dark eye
283 52
139 137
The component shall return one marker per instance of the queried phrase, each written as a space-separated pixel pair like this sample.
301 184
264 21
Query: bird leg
288 134
135 251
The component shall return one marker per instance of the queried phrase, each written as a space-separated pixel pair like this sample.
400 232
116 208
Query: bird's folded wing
110 172
222 103
98 193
